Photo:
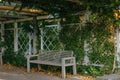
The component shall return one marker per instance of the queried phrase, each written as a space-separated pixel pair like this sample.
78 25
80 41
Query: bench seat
44 62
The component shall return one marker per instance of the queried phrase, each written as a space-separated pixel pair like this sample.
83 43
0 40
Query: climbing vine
97 35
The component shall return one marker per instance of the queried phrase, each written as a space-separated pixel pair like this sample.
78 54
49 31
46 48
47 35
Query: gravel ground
18 74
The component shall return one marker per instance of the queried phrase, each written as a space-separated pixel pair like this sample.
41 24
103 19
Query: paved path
32 76
109 77
17 74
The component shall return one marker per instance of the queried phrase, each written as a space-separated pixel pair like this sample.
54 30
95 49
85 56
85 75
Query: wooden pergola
25 14
21 16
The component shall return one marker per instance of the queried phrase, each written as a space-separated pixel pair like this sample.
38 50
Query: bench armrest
68 60
30 56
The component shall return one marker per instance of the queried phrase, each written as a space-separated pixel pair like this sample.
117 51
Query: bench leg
74 70
63 72
28 66
39 67
1 62
74 67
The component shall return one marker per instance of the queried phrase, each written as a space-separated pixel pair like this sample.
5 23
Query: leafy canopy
64 7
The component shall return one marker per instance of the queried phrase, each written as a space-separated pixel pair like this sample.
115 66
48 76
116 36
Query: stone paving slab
109 77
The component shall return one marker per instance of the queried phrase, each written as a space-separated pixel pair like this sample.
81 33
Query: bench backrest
54 55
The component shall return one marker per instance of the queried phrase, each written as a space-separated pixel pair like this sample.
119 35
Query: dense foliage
9 56
65 7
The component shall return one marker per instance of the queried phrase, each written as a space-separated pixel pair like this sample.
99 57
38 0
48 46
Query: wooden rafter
23 10
46 17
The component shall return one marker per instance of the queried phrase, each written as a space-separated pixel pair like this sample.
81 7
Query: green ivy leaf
117 22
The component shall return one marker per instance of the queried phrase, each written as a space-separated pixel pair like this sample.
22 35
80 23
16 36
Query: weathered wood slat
45 62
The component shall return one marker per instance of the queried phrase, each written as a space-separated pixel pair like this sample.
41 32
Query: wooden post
15 37
63 69
58 22
74 67
42 45
2 39
30 46
115 51
118 47
35 39
35 35
28 63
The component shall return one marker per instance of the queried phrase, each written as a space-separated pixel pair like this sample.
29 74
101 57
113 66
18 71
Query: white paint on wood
86 49
118 47
42 41
15 37
58 23
30 46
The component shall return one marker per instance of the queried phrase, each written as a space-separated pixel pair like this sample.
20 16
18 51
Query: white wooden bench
55 58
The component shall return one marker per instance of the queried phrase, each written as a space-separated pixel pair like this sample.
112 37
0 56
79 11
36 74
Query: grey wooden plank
45 62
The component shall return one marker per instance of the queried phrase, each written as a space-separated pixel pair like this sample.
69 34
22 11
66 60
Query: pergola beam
23 10
12 16
29 19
